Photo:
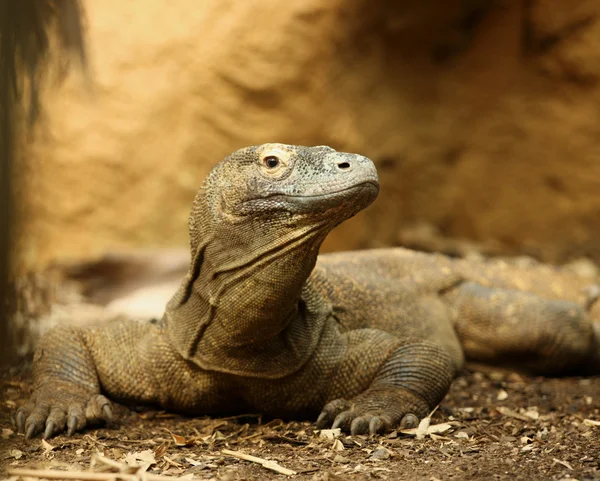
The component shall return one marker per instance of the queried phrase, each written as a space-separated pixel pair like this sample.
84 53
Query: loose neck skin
245 282
253 291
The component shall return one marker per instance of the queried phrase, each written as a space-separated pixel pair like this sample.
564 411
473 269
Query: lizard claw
20 420
31 431
107 412
75 420
49 429
377 425
359 425
343 421
72 425
409 421
331 411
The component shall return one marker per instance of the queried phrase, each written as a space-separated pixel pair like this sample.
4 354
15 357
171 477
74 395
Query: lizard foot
62 406
375 411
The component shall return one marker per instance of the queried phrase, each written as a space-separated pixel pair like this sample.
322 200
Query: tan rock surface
495 139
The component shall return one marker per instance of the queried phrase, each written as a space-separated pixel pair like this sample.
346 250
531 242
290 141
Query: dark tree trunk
24 29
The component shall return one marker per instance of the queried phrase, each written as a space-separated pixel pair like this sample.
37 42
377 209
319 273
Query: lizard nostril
344 165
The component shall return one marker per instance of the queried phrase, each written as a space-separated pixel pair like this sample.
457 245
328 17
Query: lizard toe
36 421
32 430
50 428
75 419
21 417
107 413
378 425
409 421
360 425
98 408
55 422
343 420
331 411
370 424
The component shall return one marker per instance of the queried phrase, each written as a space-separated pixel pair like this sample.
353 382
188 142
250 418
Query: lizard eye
274 163
271 161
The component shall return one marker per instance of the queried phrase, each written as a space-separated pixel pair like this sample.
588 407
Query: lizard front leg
127 360
406 380
66 391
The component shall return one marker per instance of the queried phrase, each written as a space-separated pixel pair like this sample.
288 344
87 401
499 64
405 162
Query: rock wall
483 118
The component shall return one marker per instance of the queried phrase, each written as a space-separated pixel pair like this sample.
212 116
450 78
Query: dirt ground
498 425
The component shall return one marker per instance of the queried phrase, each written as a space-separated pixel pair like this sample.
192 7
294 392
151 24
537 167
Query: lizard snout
354 168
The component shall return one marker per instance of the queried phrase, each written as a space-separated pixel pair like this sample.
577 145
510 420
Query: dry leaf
423 427
7 433
591 422
46 446
180 440
79 452
337 445
502 395
330 434
432 429
144 459
15 453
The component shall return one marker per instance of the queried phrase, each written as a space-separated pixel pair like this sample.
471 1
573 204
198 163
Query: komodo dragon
370 339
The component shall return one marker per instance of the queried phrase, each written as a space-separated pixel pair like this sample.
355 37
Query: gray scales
371 340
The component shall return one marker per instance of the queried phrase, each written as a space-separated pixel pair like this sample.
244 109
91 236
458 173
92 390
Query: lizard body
368 339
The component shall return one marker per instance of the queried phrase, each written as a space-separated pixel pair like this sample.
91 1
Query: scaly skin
371 339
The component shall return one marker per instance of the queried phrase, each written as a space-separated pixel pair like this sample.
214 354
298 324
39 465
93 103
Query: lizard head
291 184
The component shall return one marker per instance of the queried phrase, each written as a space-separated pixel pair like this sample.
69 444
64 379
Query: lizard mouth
352 198
348 200
365 187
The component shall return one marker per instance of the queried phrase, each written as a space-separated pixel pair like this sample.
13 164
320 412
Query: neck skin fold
245 283
252 297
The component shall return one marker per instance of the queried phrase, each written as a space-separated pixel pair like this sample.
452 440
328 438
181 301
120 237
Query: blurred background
483 118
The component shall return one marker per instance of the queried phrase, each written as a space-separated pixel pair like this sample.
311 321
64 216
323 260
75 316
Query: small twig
85 475
265 463
251 436
513 414
242 416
